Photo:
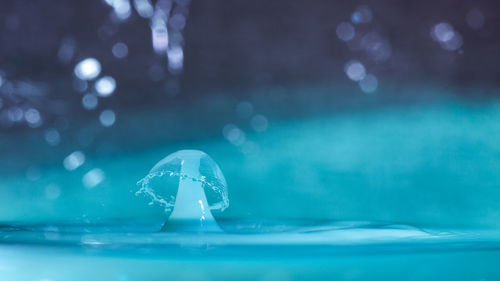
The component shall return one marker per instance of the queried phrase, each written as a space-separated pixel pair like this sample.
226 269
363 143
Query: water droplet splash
189 185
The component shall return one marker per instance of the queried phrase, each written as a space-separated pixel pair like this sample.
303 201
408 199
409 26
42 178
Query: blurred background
346 110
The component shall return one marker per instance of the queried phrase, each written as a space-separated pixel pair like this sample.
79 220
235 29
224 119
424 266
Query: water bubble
74 160
107 118
90 101
355 70
120 50
52 137
105 86
345 31
92 178
188 184
88 69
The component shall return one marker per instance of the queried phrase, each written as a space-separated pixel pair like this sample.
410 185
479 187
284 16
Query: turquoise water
362 253
469 265
425 176
285 250
430 164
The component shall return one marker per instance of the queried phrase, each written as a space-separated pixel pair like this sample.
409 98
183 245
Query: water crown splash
200 188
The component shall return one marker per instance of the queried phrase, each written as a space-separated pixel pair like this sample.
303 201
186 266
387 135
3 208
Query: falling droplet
189 185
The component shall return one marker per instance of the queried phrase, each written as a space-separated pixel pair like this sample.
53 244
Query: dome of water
188 184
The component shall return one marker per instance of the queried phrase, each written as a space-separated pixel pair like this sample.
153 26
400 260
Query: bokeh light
362 14
144 8
52 136
105 86
88 69
355 70
244 109
33 117
120 50
107 118
90 101
234 135
175 58
93 178
368 84
259 123
74 160
345 31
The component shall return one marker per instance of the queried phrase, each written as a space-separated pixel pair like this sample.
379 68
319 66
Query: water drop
189 185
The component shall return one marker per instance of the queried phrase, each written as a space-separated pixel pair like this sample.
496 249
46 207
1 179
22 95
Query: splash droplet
189 185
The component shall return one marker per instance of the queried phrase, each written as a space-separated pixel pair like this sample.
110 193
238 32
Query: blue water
388 194
279 251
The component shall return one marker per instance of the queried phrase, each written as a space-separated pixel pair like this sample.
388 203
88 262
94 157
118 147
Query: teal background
433 163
